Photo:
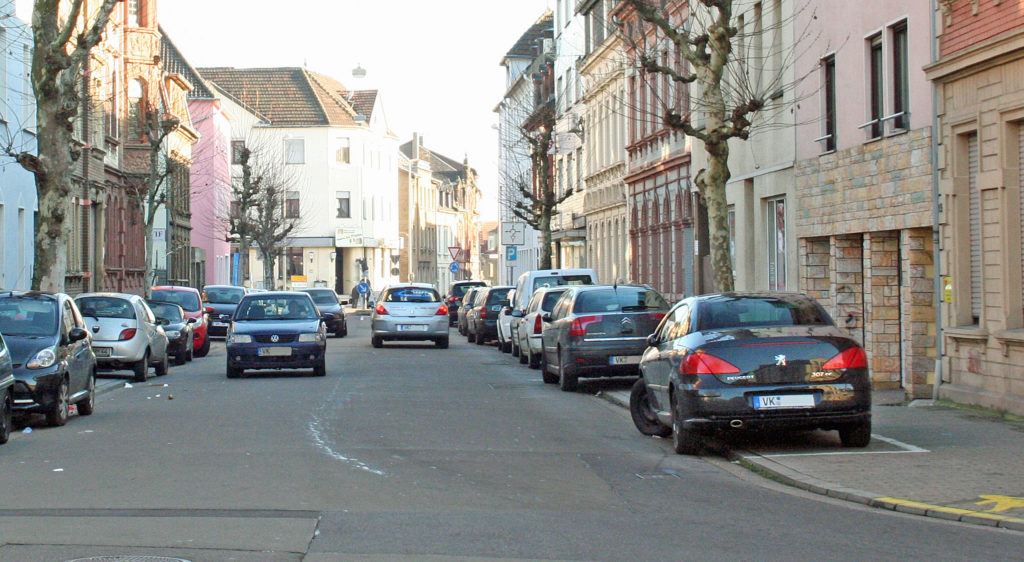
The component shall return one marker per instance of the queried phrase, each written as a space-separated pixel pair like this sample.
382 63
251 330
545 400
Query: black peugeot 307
276 330
738 361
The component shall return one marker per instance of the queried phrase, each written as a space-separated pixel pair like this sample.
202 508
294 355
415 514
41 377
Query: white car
530 281
125 333
528 332
505 318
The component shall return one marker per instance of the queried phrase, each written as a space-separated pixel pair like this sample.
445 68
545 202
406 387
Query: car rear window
412 294
460 290
622 299
21 316
323 296
105 307
276 307
550 298
497 296
562 280
744 312
185 299
166 311
224 295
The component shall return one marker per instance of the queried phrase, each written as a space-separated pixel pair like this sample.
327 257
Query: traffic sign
363 288
513 233
454 251
511 253
453 267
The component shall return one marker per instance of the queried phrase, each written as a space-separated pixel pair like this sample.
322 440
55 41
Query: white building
338 143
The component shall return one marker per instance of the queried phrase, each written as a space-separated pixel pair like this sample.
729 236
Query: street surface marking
906 448
1001 503
321 439
944 509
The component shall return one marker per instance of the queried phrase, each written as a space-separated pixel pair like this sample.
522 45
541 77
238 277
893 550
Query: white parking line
905 448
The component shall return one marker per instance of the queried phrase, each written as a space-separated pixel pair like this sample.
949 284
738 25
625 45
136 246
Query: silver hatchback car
125 333
409 312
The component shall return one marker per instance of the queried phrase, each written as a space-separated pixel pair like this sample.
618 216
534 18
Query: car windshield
497 296
550 298
460 290
621 299
276 307
323 296
166 311
105 307
561 280
412 294
185 299
224 295
742 312
27 316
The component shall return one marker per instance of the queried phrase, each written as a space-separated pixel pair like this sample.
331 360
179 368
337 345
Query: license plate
219 324
275 351
101 351
783 401
412 328
624 360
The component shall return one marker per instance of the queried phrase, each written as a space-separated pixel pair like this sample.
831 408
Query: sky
437 63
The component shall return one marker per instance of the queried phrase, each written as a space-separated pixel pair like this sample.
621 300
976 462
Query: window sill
959 334
1006 338
874 139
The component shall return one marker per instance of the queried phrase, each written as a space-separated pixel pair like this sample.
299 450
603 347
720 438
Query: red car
191 301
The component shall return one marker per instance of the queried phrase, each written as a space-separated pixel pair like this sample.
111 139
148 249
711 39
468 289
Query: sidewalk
936 461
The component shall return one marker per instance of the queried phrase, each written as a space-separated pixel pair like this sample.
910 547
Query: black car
221 301
739 361
463 306
482 323
53 362
330 307
456 291
598 331
276 330
6 391
179 330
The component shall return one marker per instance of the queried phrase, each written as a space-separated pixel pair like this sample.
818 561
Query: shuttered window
1020 164
975 225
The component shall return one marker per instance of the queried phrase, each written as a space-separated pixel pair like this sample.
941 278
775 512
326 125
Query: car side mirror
517 314
546 317
192 321
652 340
77 334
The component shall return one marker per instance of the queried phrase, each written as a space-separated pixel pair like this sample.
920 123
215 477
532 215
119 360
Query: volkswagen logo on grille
274 338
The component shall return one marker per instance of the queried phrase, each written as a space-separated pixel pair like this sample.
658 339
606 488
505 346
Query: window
776 220
291 210
133 13
732 238
828 67
294 262
343 154
294 151
237 147
900 87
876 84
344 204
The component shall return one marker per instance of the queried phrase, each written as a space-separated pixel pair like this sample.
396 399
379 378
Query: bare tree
62 41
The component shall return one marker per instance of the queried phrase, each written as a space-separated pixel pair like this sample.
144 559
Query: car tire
441 342
644 418
534 360
88 404
162 367
141 368
344 328
321 368
856 434
235 372
684 441
506 347
205 348
6 417
567 381
515 351
480 339
57 415
470 337
180 359
377 341
524 356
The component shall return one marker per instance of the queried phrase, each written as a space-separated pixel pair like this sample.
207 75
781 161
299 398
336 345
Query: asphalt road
411 452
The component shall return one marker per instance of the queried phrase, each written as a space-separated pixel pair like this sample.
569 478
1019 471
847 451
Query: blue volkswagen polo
276 330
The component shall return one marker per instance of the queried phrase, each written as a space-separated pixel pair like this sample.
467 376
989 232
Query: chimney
416 141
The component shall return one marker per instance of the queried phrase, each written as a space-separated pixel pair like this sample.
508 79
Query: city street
409 452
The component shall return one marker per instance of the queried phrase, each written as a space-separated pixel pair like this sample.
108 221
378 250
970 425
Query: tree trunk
712 185
545 237
268 269
53 185
243 262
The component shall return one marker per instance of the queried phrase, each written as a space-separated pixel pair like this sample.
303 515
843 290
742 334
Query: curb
770 469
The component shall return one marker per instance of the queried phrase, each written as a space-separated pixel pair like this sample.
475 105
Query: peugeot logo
274 338
780 360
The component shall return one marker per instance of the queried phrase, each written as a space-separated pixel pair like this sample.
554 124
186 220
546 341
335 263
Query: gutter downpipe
936 238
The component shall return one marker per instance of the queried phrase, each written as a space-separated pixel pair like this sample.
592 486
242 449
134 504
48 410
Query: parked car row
709 364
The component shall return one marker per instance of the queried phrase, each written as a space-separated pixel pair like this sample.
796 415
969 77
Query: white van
525 286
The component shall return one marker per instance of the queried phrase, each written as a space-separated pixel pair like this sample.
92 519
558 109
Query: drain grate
129 558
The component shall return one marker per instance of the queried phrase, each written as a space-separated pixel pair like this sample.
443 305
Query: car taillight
538 324
701 363
853 358
656 316
483 312
578 328
452 299
380 309
208 310
126 334
442 311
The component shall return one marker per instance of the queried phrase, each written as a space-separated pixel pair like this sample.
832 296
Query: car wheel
141 368
567 381
377 341
515 349
344 329
235 372
321 368
533 359
506 347
180 359
162 367
684 441
6 417
643 414
856 434
57 415
469 336
205 348
480 339
441 343
542 363
87 405
524 356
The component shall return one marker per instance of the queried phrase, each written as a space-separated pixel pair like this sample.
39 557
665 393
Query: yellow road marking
1001 503
945 509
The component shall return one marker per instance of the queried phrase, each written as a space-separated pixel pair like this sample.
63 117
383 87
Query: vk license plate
412 328
101 351
275 351
219 324
624 360
783 401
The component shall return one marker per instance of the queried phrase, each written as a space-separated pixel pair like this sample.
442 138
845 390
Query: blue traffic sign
363 288
453 267
511 253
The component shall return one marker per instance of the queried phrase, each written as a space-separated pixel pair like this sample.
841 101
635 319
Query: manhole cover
129 558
